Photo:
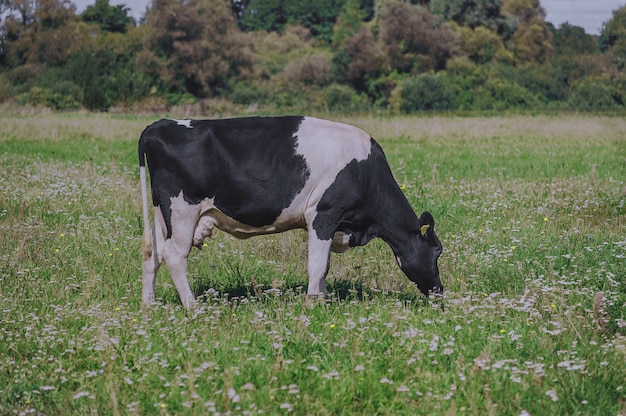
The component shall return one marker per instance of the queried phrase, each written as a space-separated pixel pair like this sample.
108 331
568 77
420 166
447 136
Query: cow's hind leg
184 218
319 253
153 245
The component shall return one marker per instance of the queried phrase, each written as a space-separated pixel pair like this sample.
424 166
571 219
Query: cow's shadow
339 290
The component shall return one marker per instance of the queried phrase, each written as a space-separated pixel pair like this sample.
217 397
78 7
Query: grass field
531 213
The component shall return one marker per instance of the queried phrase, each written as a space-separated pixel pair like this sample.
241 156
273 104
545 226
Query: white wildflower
80 394
552 395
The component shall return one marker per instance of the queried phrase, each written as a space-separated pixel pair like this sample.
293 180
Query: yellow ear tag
424 229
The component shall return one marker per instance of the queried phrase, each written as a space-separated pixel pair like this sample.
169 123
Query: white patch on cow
327 147
184 219
186 123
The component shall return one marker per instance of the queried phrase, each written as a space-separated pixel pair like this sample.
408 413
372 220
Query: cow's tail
146 241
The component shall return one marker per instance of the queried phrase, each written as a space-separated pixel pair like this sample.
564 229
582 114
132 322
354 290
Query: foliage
425 92
366 58
480 44
287 55
341 98
414 43
197 51
532 39
317 16
572 40
46 32
593 95
613 36
473 14
109 18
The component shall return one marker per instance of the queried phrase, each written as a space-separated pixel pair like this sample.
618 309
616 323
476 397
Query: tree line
333 55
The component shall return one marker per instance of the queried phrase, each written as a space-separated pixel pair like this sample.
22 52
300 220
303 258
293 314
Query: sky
589 14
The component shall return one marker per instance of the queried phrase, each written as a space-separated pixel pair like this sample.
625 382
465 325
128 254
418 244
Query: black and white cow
262 175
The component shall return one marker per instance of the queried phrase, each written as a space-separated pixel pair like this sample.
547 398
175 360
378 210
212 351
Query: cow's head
419 263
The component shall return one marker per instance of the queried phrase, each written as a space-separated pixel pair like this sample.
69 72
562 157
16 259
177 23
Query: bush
425 92
593 96
6 89
344 99
505 94
247 93
314 69
46 97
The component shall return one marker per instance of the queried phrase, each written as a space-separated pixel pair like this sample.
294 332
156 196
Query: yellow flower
545 219
332 325
502 331
162 405
403 186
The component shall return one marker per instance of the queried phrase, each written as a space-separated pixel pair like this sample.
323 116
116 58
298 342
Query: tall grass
531 214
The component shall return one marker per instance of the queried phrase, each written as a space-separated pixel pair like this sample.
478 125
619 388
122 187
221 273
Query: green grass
531 213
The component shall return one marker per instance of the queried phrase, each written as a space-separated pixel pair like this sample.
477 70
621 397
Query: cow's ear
426 225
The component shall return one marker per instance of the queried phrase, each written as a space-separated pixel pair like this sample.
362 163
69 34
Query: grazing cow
263 175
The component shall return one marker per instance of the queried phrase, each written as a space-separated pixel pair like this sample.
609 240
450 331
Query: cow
263 175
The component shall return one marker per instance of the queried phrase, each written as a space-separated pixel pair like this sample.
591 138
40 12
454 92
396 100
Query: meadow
531 213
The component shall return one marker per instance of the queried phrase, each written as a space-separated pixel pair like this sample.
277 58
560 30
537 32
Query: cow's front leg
319 252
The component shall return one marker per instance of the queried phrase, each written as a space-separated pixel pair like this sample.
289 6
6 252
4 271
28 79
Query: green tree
42 32
317 16
425 92
613 37
366 58
104 70
572 40
110 18
532 40
480 44
473 13
414 43
199 51
348 22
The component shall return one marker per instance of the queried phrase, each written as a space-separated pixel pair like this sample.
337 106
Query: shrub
46 97
6 89
247 93
425 92
593 96
500 94
22 77
312 69
344 99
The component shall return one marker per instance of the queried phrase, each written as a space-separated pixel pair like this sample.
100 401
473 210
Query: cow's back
253 169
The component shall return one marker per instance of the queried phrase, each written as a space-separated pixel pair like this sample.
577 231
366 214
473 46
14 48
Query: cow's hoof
313 300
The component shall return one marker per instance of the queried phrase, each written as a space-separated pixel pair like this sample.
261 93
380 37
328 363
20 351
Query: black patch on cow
249 165
356 200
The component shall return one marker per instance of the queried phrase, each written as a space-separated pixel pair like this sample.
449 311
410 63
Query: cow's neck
398 223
